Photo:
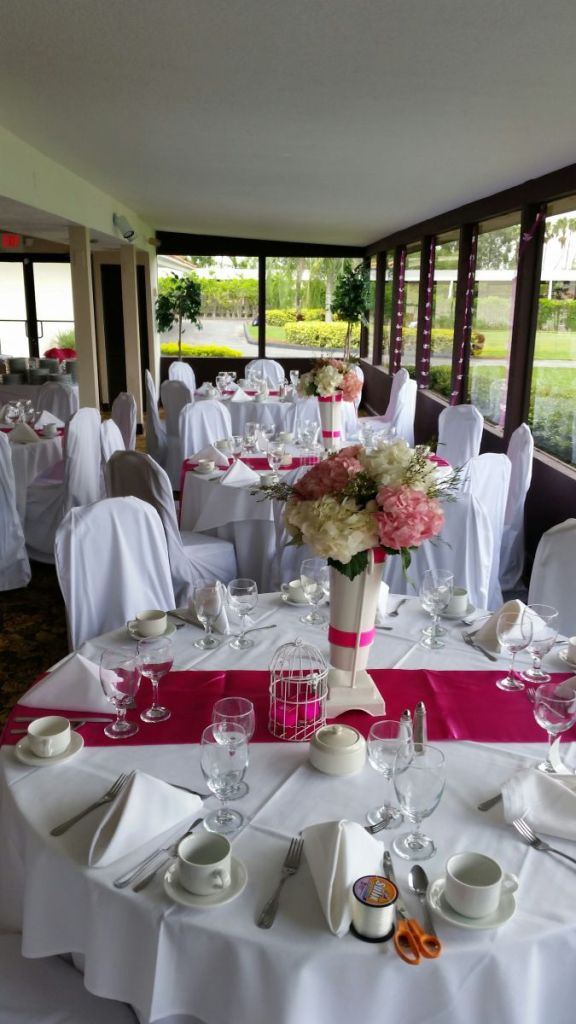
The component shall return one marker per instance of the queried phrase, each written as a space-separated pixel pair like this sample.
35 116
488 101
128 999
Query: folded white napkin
205 388
382 603
240 475
339 852
47 417
212 453
74 685
22 434
146 808
240 396
220 625
547 801
487 635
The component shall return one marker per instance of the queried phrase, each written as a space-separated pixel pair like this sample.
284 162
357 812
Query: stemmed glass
384 741
276 452
294 378
267 432
120 675
236 445
238 711
555 711
315 580
208 606
251 432
223 760
419 780
435 593
242 598
156 660
544 632
514 634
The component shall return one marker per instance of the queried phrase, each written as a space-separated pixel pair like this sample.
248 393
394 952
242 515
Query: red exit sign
10 241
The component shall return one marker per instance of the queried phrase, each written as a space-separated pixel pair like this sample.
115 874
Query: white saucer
458 615
24 754
239 877
563 655
203 472
169 631
294 604
438 902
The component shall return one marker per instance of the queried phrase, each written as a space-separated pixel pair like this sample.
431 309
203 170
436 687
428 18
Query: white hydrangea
391 465
328 380
333 529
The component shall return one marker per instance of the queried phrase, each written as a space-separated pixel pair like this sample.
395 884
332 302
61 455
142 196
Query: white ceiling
333 121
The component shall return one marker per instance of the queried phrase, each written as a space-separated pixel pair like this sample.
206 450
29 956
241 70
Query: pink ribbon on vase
347 638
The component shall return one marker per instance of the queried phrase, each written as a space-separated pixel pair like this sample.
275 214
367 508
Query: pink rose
407 517
351 386
330 476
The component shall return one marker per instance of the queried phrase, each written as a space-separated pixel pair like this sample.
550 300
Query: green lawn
549 345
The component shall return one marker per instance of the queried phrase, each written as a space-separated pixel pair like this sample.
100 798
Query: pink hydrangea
351 386
330 476
407 517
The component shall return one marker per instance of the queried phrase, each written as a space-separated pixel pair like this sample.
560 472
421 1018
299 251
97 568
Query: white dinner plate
133 630
238 879
459 615
438 902
563 655
24 754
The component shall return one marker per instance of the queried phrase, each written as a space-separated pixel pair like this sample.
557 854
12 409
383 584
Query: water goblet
384 741
251 434
233 376
236 446
419 780
555 711
223 760
276 451
120 675
242 598
267 433
315 580
366 433
544 632
207 601
156 660
435 593
294 378
514 634
238 711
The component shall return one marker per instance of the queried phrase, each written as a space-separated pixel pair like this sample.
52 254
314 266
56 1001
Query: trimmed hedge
170 348
319 334
280 317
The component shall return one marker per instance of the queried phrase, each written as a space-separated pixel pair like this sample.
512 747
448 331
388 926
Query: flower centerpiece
333 381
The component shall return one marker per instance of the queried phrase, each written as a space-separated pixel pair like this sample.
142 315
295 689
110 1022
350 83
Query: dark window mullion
261 307
379 308
397 309
424 324
31 316
463 311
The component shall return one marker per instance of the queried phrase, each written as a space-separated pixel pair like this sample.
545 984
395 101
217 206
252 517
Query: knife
487 804
123 880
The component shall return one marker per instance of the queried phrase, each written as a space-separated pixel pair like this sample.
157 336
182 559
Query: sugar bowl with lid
337 750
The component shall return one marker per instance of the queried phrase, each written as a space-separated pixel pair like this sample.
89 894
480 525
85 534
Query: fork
289 867
530 837
107 798
373 830
468 638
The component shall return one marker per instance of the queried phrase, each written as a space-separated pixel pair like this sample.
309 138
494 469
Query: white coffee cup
458 603
293 592
152 622
572 649
205 466
49 430
286 437
49 736
204 863
474 884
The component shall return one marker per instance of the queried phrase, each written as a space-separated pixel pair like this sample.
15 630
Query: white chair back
175 395
59 399
459 433
288 557
156 444
111 439
400 378
203 423
487 477
104 542
360 374
82 459
271 370
553 579
520 452
124 414
405 410
184 372
14 565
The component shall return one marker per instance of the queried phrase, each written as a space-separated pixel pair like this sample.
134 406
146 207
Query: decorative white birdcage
298 688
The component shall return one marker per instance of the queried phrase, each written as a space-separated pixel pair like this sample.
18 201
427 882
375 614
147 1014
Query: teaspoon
418 881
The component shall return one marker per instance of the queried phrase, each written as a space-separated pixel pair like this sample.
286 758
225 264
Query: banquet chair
487 477
459 433
156 441
124 414
49 498
184 372
47 990
59 399
357 369
111 440
14 565
192 556
553 579
520 452
111 562
401 408
175 395
202 423
268 368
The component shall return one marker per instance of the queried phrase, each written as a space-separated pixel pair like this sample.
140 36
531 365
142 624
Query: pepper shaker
420 729
406 720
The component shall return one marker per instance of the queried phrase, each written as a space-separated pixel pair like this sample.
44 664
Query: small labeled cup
373 899
152 622
204 863
458 603
474 884
205 465
49 736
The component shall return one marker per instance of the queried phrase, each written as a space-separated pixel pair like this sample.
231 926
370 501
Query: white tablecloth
29 460
217 965
273 411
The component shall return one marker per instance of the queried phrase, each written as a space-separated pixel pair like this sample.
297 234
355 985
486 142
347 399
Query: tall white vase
331 420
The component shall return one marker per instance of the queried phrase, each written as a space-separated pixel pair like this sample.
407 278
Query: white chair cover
202 423
399 379
459 433
112 563
487 477
360 374
49 499
60 399
175 395
520 452
193 556
111 439
124 414
156 442
47 990
184 372
14 565
465 547
401 407
288 557
272 371
553 579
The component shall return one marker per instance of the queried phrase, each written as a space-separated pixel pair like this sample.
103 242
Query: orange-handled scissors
410 940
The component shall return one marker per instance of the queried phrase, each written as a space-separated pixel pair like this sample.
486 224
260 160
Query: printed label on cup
204 863
474 884
49 736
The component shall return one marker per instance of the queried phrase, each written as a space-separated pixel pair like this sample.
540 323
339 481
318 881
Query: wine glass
294 378
315 580
555 711
223 760
242 598
267 432
251 432
156 660
207 601
419 780
239 711
435 593
384 740
544 632
236 446
514 633
221 382
366 433
120 675
276 452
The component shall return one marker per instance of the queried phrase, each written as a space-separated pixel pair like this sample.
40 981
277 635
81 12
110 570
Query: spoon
418 881
392 615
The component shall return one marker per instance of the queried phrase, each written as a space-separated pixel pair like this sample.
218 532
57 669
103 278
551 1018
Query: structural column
131 325
84 328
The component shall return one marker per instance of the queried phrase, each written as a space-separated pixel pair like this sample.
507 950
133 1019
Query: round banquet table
28 461
216 965
275 412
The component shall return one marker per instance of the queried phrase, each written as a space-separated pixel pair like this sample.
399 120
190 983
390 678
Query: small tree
180 299
351 299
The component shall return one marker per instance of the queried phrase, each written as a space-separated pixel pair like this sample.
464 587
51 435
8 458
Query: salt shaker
420 730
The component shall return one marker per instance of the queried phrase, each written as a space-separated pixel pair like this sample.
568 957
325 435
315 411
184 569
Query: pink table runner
460 705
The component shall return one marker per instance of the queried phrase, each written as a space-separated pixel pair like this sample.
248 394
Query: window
13 335
370 351
443 310
54 305
387 308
